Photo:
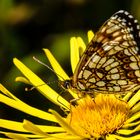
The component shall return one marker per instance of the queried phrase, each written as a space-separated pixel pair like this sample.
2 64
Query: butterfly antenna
37 60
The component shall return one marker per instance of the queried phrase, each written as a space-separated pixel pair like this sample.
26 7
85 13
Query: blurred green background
27 26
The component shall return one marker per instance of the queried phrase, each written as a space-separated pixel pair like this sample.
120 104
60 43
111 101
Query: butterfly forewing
111 61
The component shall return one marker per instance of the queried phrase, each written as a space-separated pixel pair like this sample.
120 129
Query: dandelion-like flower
102 117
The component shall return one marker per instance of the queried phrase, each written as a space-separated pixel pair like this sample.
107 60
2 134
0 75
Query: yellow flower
102 117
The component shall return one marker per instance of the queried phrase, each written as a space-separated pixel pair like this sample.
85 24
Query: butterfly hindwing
111 61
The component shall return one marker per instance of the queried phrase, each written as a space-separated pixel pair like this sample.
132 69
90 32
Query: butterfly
111 61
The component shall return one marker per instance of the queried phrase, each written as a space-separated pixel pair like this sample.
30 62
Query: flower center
99 116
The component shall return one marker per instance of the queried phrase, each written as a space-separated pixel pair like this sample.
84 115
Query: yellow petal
18 104
110 137
61 74
20 136
135 108
74 53
13 125
57 68
81 45
44 89
130 124
117 137
134 117
127 96
61 121
18 126
135 98
15 136
23 80
90 35
7 93
128 132
33 128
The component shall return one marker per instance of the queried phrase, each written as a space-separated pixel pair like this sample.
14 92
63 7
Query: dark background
27 26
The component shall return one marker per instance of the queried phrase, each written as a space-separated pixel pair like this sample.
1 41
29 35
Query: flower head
104 116
100 116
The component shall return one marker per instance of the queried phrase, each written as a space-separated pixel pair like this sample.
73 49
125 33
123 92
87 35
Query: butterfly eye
67 84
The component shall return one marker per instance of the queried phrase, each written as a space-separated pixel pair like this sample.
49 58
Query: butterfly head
66 84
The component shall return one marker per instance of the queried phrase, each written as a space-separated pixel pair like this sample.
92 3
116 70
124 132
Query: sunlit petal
23 80
57 68
44 89
18 104
74 53
90 35
81 45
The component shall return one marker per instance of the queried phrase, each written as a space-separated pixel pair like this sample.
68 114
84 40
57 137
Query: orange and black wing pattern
111 61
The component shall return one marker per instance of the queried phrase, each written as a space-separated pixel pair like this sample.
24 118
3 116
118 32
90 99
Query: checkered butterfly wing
111 61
